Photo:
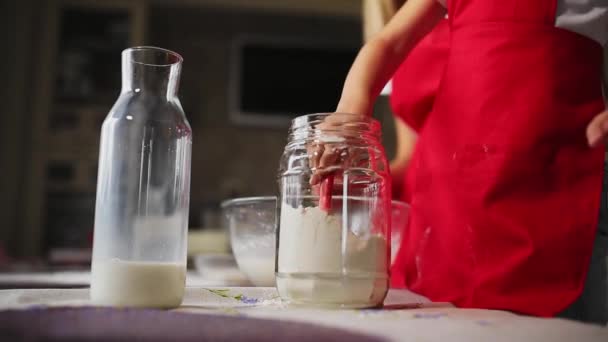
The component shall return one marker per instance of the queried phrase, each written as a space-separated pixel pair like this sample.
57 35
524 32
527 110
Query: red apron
415 85
507 192
416 81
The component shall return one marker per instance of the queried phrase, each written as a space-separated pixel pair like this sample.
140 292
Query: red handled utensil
325 192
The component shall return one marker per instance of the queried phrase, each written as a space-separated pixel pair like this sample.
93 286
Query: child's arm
380 57
373 67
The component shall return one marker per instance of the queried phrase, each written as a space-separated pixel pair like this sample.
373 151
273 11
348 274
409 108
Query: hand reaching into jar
331 150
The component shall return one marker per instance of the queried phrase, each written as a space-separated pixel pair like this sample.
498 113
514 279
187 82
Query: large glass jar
143 187
334 233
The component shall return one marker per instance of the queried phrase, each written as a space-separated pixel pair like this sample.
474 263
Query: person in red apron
507 189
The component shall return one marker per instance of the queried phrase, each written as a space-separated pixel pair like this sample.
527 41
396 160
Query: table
406 316
80 279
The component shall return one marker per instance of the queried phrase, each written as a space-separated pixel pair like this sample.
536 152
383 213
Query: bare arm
376 14
378 59
373 67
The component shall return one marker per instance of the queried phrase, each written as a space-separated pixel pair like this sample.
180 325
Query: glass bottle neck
151 71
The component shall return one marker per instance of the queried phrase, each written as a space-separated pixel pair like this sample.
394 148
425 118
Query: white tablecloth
406 316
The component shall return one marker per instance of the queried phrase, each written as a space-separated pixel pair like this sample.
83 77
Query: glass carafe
334 237
143 187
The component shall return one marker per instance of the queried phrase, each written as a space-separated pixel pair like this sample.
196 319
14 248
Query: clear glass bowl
252 225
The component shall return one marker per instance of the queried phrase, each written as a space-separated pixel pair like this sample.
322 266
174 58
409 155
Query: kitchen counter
252 311
80 279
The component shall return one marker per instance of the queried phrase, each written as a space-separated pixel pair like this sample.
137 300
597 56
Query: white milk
138 284
316 267
259 270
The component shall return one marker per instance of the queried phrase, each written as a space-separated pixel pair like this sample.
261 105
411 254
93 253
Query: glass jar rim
306 120
246 200
400 204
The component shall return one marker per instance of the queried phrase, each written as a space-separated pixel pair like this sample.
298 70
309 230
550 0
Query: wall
16 28
228 159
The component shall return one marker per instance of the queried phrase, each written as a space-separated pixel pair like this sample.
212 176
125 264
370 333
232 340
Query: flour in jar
316 265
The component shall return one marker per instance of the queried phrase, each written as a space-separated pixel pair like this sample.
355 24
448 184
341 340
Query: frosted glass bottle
143 187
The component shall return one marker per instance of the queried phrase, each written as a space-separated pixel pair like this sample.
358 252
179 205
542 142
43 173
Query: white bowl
220 268
252 225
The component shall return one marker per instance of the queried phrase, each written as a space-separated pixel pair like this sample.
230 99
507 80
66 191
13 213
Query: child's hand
331 147
597 130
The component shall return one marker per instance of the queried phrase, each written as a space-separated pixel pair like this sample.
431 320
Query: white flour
138 284
312 267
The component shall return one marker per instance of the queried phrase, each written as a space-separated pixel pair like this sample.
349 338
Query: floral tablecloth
405 315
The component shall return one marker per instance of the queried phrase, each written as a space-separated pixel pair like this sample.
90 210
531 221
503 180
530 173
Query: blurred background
249 67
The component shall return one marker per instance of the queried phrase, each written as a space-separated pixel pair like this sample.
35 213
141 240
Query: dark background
61 73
